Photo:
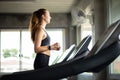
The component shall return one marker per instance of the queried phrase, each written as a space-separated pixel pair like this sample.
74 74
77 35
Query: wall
15 21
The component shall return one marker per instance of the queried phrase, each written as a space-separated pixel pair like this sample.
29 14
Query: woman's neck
43 25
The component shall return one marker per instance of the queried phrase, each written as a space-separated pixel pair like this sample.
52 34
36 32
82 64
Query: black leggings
41 61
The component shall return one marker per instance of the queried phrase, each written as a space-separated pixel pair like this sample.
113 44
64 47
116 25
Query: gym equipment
81 50
75 51
105 51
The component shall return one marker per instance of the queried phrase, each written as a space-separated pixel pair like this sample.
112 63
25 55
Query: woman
40 38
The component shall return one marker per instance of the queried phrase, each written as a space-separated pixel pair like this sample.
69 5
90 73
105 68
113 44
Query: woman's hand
55 46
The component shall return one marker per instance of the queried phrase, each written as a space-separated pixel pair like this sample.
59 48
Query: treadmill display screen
107 38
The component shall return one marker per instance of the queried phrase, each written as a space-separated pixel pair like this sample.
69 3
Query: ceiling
28 6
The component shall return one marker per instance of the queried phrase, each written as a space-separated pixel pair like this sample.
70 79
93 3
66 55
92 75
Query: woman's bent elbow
36 50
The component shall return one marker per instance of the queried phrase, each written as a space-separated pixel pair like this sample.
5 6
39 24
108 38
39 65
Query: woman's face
47 17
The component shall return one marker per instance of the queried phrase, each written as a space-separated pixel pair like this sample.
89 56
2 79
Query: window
17 50
115 66
10 51
86 29
27 51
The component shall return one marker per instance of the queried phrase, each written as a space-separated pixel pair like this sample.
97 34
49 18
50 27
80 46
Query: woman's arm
39 35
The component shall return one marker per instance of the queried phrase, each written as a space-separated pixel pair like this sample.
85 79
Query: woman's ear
43 16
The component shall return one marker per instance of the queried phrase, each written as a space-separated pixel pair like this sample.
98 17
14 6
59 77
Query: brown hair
35 21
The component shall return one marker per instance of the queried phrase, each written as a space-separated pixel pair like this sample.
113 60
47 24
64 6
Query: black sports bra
46 41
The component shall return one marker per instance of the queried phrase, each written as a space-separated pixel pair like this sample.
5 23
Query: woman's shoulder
39 31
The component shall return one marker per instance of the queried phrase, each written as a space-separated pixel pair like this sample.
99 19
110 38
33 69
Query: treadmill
81 50
75 51
105 51
66 53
